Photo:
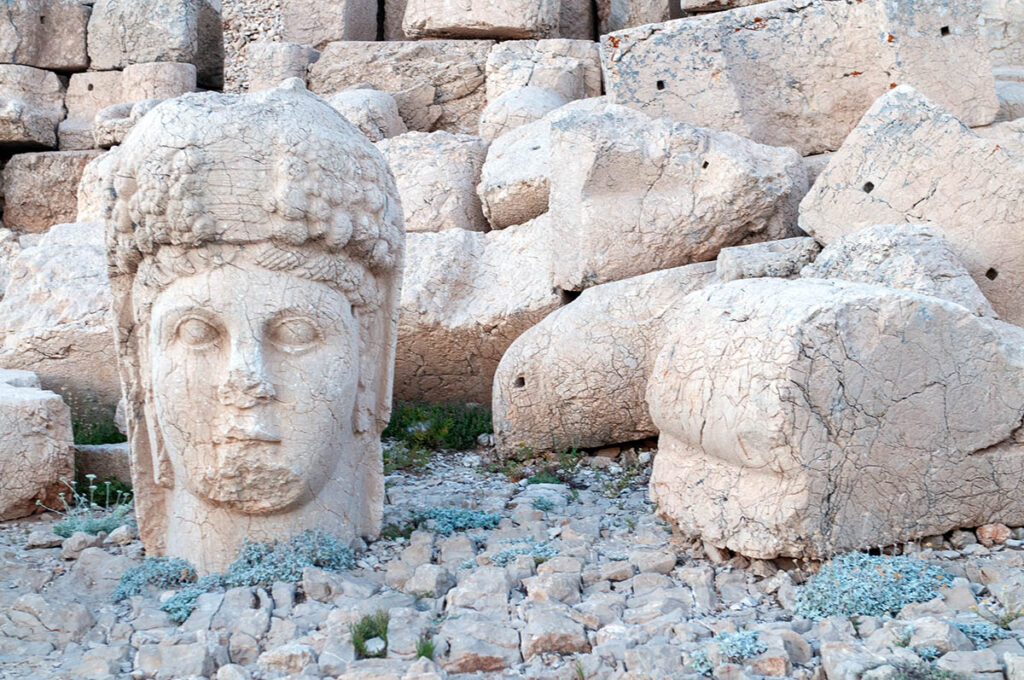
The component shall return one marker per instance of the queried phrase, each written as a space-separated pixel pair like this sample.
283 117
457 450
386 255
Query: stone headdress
277 179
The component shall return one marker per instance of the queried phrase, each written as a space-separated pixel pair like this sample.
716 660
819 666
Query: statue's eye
294 333
195 332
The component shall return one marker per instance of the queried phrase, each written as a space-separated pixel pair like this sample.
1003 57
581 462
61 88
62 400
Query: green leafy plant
454 426
426 647
94 432
393 531
372 626
94 511
860 584
447 521
161 572
540 552
982 633
544 477
924 671
542 504
401 456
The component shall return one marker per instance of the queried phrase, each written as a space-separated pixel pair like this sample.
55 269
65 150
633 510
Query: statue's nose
246 383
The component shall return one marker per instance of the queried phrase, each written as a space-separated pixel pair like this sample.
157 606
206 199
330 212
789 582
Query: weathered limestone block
31 106
465 297
1011 100
516 108
35 447
54 319
375 113
914 257
911 162
572 68
9 249
123 32
515 177
256 303
615 15
856 405
46 34
318 22
777 259
394 17
579 377
437 174
112 124
93 203
157 80
1009 135
576 20
801 73
715 5
481 19
438 84
41 189
1003 26
87 94
267 64
630 195
104 460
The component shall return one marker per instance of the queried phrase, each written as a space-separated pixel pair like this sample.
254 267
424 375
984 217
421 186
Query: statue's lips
252 434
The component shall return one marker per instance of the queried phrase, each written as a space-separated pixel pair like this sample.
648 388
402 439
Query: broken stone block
910 162
104 460
267 64
375 113
123 32
478 642
801 73
715 5
9 249
572 68
35 449
576 20
778 259
318 22
31 107
615 15
912 257
516 108
465 297
438 84
157 80
1011 100
41 189
552 630
54 320
1002 23
515 177
856 404
112 124
46 34
394 16
87 94
630 194
513 19
437 174
579 377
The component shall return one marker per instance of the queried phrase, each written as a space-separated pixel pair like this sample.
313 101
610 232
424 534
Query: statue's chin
245 481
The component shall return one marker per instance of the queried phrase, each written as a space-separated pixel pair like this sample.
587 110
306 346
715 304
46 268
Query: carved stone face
254 376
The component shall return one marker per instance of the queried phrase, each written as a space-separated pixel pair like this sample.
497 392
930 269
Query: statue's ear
378 335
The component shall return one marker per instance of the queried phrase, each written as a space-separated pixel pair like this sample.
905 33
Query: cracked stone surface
572 68
123 32
513 19
516 108
630 194
1002 23
912 257
438 84
256 311
465 297
41 189
318 22
31 107
615 15
801 73
910 161
579 377
264 64
437 174
857 406
46 34
36 450
54 319
375 113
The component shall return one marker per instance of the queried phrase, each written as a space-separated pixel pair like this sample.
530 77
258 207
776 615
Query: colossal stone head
255 248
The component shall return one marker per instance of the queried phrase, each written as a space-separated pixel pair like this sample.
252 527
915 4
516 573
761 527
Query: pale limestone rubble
438 84
46 34
266 64
10 246
630 194
579 377
111 125
777 259
375 113
318 22
466 296
572 68
801 73
481 19
910 161
855 404
1003 28
41 189
55 319
31 107
35 450
437 174
264 297
516 108
615 15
